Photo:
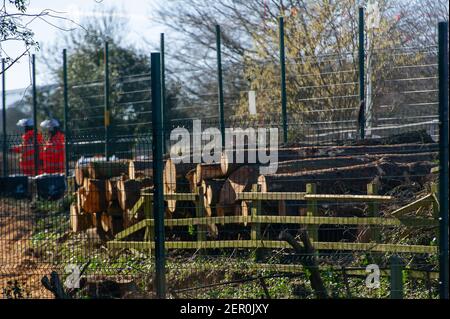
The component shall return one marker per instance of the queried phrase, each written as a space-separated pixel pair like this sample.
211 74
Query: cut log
351 178
170 183
105 170
244 210
129 191
295 153
192 179
183 168
111 188
78 221
310 164
213 188
209 171
239 181
81 171
226 164
333 151
170 177
106 221
93 196
79 196
139 169
112 220
231 160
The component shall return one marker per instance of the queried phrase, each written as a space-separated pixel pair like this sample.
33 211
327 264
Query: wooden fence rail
256 219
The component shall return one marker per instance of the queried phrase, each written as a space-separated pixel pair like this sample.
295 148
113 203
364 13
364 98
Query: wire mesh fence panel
248 214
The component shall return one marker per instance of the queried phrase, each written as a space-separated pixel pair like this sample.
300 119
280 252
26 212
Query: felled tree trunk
81 171
208 171
78 221
112 219
93 195
212 193
191 177
310 164
105 170
139 169
351 178
239 181
129 191
111 188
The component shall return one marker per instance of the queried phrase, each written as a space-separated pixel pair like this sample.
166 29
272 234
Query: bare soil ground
17 260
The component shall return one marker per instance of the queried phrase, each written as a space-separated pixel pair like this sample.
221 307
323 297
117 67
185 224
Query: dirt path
16 255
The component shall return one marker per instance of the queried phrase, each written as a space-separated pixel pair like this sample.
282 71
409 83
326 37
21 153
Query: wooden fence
312 221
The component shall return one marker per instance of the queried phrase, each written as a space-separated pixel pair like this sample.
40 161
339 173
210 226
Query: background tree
130 93
15 27
321 49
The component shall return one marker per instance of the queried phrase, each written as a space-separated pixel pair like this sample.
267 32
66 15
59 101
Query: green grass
211 276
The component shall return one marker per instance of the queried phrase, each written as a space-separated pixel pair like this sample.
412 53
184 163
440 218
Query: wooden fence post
200 212
311 206
374 211
435 193
256 227
396 278
149 235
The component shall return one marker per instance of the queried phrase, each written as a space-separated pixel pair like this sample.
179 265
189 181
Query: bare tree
15 26
314 30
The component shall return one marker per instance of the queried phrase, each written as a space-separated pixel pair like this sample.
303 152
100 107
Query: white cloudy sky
138 13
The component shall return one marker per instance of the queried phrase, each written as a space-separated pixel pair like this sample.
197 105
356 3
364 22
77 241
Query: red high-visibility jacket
26 151
54 154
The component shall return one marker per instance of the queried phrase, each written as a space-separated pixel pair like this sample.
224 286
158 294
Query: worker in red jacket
26 149
54 152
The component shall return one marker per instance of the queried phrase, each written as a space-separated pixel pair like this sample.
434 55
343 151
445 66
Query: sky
137 12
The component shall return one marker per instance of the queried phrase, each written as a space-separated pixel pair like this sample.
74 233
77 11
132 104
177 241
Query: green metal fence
357 207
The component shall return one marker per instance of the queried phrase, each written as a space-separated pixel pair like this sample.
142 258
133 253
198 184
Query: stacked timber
108 190
334 169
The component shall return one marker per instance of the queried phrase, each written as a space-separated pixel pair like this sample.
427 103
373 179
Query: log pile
109 190
334 170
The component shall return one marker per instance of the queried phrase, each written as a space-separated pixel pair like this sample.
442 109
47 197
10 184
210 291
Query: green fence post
396 277
106 92
443 160
163 86
5 142
158 166
283 80
66 111
313 230
220 84
362 110
35 123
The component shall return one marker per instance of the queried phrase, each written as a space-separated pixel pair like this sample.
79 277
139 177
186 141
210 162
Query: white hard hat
25 122
50 124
